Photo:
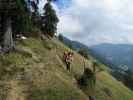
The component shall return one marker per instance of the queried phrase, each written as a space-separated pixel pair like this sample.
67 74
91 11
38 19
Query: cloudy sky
96 21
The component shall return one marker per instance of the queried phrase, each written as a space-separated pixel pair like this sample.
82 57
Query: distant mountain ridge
75 44
114 54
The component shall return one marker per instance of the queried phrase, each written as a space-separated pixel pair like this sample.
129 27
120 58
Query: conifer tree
14 18
50 20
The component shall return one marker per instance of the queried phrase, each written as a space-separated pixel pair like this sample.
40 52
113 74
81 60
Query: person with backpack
68 58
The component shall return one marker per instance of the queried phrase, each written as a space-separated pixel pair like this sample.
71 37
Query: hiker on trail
64 56
68 58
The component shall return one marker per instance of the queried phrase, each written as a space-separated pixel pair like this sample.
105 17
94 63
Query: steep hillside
36 72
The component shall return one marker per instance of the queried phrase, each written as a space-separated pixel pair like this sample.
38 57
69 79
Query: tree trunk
8 42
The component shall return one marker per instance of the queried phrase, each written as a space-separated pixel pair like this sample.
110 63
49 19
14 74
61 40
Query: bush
87 79
61 38
128 79
84 52
107 91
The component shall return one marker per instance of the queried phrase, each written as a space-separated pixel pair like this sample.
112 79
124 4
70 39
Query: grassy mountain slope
37 73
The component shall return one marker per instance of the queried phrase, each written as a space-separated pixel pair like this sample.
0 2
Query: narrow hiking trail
17 90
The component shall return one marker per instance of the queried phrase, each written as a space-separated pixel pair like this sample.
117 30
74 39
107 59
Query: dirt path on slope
17 91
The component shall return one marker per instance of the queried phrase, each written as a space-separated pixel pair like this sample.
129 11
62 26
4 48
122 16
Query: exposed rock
92 98
107 91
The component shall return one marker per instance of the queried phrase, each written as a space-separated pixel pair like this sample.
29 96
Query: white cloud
71 25
97 21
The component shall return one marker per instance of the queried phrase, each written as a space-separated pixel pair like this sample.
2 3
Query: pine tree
8 9
34 4
50 20
14 16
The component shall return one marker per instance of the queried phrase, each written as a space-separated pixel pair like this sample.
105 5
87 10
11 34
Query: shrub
84 52
87 79
61 38
107 91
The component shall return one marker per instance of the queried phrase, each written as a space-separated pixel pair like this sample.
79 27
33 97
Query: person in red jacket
68 60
